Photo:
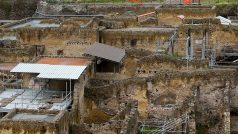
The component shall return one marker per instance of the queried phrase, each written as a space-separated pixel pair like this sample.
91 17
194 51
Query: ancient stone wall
11 51
150 65
136 38
167 14
94 9
169 93
216 36
60 125
78 112
130 124
118 22
224 36
124 122
72 42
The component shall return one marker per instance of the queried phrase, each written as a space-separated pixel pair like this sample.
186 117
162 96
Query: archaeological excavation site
118 67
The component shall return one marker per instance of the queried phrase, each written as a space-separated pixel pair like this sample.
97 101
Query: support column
70 88
66 88
187 47
226 113
204 43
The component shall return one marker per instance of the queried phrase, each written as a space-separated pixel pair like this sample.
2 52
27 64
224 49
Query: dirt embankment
227 9
17 9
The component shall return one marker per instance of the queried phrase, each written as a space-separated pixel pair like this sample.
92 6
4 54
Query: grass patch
206 2
106 1
201 129
5 5
148 130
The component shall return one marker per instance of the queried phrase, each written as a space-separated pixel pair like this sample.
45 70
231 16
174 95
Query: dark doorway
60 84
133 42
60 52
103 65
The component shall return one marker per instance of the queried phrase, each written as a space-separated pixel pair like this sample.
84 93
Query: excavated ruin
159 69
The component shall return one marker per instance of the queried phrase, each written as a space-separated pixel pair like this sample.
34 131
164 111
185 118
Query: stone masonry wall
147 40
168 14
168 93
72 41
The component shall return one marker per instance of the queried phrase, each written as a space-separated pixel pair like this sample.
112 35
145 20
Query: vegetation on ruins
103 1
219 1
17 9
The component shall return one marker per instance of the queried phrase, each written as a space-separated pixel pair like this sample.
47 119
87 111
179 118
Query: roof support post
187 48
66 88
70 88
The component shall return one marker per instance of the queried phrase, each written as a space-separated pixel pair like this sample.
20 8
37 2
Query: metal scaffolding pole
70 89
166 126
187 48
66 88
191 48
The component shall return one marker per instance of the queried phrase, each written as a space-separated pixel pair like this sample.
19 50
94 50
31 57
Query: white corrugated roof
29 68
62 72
50 71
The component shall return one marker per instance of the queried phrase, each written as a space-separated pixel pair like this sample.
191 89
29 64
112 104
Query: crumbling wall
169 93
11 51
78 112
209 31
128 21
72 41
130 123
60 125
17 9
76 22
197 36
224 36
167 14
94 9
124 122
130 61
150 65
136 38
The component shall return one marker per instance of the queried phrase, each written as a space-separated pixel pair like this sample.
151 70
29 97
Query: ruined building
119 69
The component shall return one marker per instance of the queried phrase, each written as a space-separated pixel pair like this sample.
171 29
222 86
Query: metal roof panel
48 71
106 52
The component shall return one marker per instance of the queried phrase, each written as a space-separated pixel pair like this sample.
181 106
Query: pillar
226 114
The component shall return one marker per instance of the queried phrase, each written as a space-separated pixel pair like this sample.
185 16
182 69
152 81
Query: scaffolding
38 96
34 99
176 125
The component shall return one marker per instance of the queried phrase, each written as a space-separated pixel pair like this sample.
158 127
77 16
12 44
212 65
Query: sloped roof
48 71
107 52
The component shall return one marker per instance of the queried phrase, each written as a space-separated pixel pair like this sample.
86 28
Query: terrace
32 22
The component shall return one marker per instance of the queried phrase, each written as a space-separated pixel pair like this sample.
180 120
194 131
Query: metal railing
176 125
35 100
